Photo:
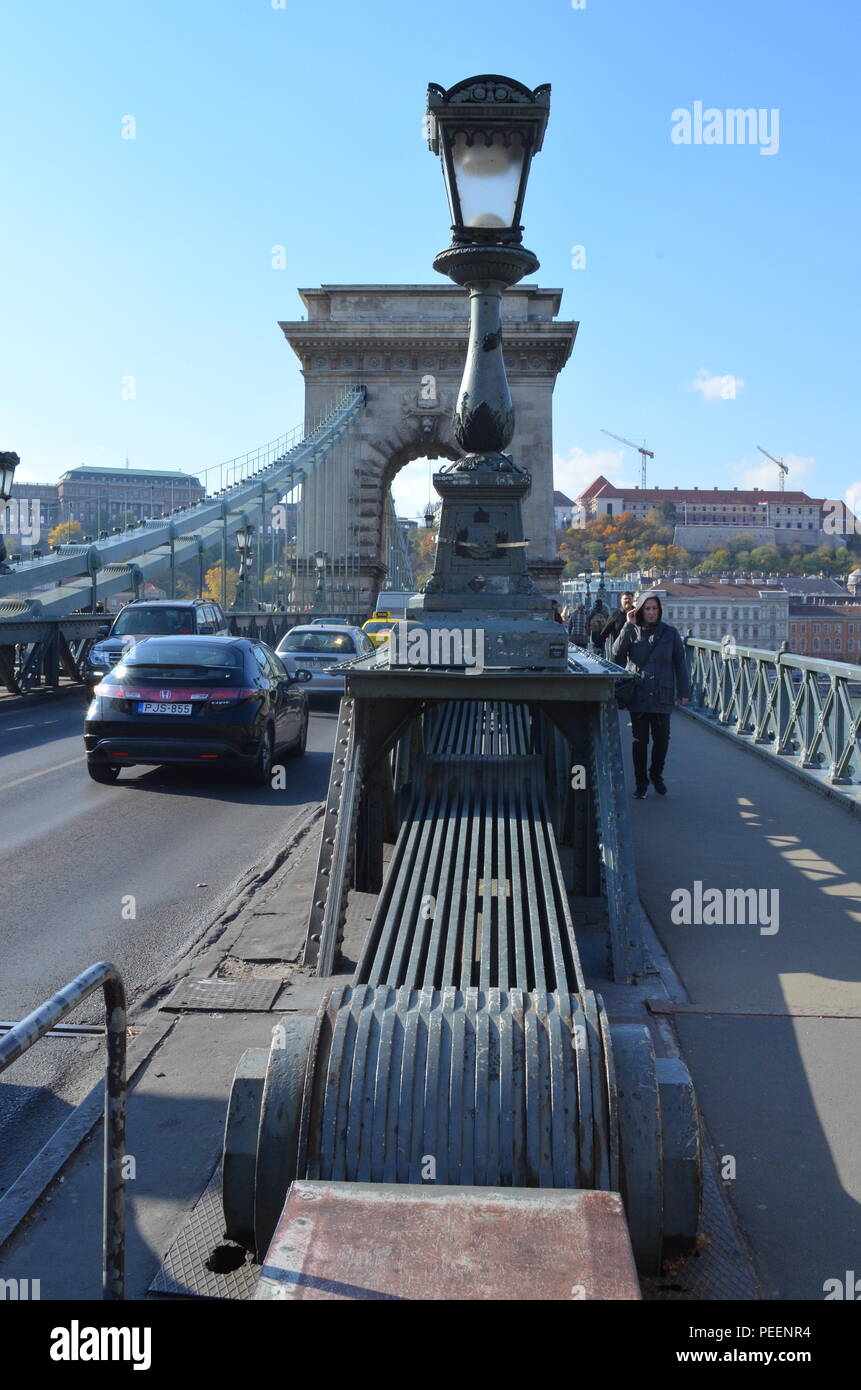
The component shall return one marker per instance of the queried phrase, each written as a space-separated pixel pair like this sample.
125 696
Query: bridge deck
778 1087
772 1033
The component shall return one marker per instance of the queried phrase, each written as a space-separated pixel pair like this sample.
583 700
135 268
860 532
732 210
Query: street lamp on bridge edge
319 604
245 546
8 463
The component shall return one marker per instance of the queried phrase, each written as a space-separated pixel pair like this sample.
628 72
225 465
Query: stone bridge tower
406 344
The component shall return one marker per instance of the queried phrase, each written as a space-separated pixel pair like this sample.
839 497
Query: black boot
659 784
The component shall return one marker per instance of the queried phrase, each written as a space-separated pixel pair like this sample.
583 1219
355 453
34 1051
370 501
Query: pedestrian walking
654 649
597 619
616 621
578 625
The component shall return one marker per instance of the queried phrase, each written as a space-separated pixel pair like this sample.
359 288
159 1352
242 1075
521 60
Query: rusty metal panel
354 1241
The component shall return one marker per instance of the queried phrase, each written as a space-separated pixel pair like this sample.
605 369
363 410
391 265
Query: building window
837 644
827 643
816 629
791 628
816 644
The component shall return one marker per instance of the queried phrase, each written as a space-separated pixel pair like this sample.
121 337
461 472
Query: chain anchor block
239 1156
261 1132
682 1145
661 1155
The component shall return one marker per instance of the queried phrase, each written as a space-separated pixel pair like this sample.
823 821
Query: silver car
317 648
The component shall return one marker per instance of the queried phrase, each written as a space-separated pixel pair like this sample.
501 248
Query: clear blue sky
259 126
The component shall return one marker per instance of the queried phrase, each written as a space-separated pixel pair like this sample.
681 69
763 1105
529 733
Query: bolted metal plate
219 996
364 1241
190 1268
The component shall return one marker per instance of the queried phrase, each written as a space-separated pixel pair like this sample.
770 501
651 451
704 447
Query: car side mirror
103 630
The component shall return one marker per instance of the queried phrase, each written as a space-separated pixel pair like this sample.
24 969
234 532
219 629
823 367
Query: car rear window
322 641
379 627
138 622
191 656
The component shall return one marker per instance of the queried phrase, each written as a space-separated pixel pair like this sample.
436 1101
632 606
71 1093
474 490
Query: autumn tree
212 584
66 533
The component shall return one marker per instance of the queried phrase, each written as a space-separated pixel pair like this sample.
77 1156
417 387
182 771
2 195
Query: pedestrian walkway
772 1032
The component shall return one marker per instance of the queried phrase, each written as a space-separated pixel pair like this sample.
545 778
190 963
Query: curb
30 1185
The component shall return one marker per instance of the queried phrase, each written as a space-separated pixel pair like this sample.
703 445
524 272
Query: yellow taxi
378 626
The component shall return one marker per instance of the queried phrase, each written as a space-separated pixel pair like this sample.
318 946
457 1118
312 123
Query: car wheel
259 774
298 748
103 772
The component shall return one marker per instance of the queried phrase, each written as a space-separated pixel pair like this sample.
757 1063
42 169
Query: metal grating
183 1272
220 996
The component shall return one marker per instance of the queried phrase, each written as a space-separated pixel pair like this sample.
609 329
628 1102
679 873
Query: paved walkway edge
30 1185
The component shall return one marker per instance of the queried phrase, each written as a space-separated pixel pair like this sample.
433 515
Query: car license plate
152 707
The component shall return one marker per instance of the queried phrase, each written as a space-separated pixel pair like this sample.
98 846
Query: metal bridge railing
800 708
20 1037
36 652
79 574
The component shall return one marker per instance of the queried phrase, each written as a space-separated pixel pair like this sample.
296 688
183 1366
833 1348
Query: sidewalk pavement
772 1032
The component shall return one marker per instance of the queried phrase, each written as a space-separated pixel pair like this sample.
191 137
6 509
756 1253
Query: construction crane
641 450
782 468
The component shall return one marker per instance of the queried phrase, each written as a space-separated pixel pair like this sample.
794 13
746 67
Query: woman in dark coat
665 679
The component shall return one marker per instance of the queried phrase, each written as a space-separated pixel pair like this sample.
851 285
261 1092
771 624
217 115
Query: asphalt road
72 854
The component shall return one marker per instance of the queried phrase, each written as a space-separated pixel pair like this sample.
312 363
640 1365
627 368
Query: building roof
594 488
165 475
719 592
824 610
812 585
560 500
651 496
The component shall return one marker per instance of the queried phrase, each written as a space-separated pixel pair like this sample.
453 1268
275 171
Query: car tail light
232 695
229 695
121 692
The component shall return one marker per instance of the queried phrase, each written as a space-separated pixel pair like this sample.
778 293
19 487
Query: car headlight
98 657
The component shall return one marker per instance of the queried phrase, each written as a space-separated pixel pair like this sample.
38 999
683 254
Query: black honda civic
214 700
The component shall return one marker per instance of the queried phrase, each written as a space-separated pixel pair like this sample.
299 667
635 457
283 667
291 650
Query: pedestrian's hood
650 593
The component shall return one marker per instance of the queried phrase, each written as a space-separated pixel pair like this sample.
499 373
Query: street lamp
245 547
429 516
587 575
279 583
486 131
319 604
8 463
602 566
